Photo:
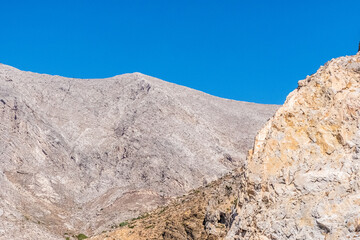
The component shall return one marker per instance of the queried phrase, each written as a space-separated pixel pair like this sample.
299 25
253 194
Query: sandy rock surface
302 179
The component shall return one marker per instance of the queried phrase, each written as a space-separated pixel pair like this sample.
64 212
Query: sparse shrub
123 224
81 236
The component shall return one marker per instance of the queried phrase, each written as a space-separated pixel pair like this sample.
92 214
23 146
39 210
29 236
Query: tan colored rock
205 213
302 179
79 155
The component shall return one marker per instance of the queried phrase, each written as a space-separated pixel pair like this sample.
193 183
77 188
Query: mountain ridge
301 178
79 155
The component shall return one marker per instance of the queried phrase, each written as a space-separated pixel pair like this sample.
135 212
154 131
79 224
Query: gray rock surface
77 155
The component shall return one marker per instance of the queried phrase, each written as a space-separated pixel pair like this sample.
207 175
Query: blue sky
245 50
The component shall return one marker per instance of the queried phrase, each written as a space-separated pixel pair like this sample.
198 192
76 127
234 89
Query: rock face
78 155
302 178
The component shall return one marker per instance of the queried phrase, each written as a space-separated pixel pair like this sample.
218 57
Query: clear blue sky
245 50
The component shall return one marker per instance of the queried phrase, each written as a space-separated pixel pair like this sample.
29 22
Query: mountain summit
301 179
78 155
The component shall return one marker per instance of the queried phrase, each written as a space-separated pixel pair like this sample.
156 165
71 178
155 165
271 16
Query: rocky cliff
301 179
78 155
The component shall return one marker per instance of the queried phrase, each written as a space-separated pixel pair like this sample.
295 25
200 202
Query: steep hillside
303 174
78 155
205 213
301 180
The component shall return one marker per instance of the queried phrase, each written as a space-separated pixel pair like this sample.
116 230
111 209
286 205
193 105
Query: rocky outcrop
205 213
78 155
302 179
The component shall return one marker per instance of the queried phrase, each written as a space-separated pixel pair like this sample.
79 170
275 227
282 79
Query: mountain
79 155
301 179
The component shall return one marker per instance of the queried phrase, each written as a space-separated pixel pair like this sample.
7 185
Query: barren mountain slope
82 154
301 180
205 213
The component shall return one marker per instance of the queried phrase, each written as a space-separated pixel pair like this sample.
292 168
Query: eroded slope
206 213
78 155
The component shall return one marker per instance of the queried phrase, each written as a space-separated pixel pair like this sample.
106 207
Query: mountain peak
78 155
300 181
